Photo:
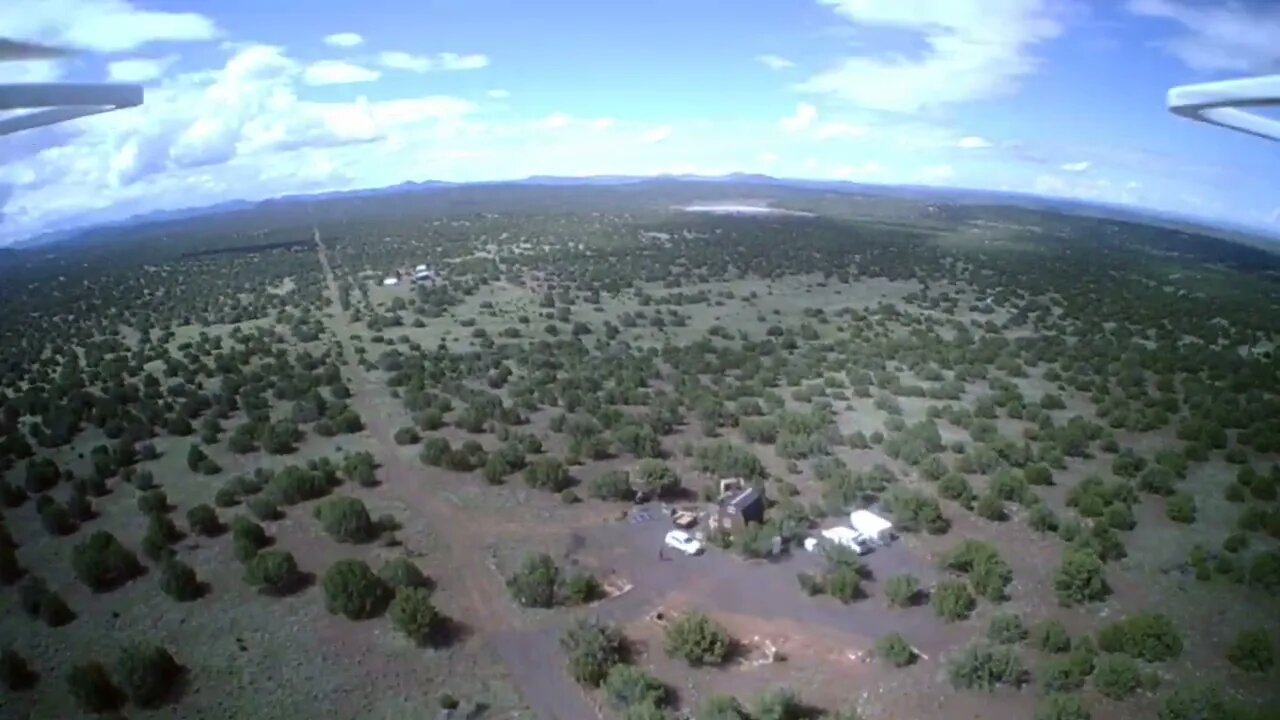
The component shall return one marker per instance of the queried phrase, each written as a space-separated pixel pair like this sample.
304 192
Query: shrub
593 649
1180 508
91 687
1042 519
1252 651
37 600
247 538
10 569
1080 578
809 584
988 572
346 519
147 673
15 672
161 533
952 601
413 614
1006 629
1062 707
264 508
915 511
984 667
1148 636
1116 676
843 583
1065 673
354 591
902 590
153 502
895 650
226 496
991 507
55 517
178 580
273 572
721 707
102 563
629 686
698 640
203 520
778 704
547 473
1038 474
1050 636
407 436
656 479
401 572
534 584
581 588
612 485
434 451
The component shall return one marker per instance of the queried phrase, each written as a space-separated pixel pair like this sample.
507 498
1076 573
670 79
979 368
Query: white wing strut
1220 103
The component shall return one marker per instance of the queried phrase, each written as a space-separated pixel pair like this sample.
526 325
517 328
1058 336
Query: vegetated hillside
231 422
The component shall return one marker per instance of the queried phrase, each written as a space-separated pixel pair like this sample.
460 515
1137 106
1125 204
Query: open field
1064 431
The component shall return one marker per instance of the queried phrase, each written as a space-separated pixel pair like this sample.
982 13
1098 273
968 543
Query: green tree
629 686
1180 508
413 614
952 601
895 650
534 584
352 590
1252 651
902 590
346 519
698 640
656 479
401 572
984 667
1148 636
15 672
147 673
1006 629
721 707
1050 636
1116 676
593 649
1059 706
102 563
178 580
91 687
612 485
274 572
1080 578
547 473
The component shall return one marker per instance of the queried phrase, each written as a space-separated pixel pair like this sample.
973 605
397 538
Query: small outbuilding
741 507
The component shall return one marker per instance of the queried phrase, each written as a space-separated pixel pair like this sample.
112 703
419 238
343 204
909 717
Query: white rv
871 526
846 537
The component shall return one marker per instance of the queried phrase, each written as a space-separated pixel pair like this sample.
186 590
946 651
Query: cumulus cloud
139 70
838 130
344 40
973 142
399 60
775 62
1230 37
1076 167
338 72
100 25
498 94
804 116
656 135
977 49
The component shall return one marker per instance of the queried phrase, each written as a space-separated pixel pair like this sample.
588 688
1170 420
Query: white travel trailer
871 526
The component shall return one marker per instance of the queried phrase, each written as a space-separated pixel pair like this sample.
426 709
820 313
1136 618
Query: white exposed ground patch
740 209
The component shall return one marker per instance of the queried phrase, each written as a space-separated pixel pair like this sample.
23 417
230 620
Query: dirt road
531 654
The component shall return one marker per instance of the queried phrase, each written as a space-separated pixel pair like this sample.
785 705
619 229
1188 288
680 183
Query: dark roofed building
742 507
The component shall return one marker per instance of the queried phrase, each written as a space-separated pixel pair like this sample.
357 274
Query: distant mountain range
921 193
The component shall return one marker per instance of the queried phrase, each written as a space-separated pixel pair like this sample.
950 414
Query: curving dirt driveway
532 655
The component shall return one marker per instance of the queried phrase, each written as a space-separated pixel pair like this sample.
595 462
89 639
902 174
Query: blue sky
252 99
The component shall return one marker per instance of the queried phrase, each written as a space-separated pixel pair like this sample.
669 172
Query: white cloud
31 71
870 168
836 130
775 62
1229 37
344 40
656 135
937 174
603 123
767 158
99 25
453 61
338 72
398 60
139 70
973 142
804 116
1076 166
977 49
498 94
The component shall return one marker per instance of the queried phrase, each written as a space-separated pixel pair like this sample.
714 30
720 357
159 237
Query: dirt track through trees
532 655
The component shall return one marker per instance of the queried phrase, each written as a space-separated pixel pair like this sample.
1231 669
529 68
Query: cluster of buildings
421 275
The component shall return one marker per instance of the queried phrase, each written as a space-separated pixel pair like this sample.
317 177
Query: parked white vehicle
871 526
848 537
684 542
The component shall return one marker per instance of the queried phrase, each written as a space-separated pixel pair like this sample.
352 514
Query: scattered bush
407 436
401 572
147 673
352 590
698 640
984 667
413 614
178 580
273 572
37 600
1080 578
15 672
153 502
1006 629
547 473
346 519
612 485
902 590
778 704
203 520
534 584
1059 706
91 687
844 583
628 686
1252 651
1050 636
247 538
593 649
102 563
894 649
580 588
1147 636
952 601
1116 676
1180 508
